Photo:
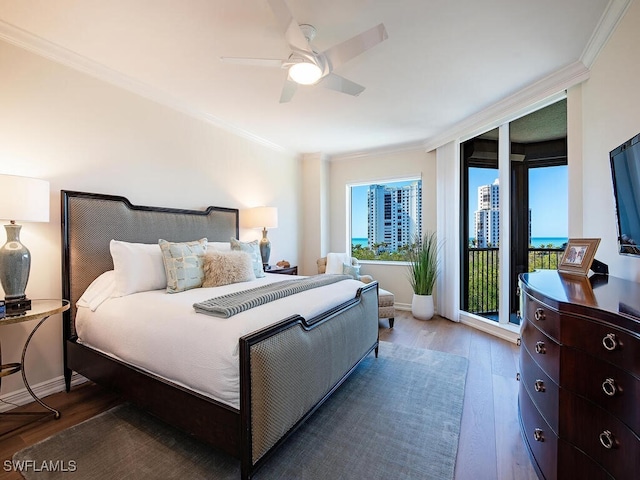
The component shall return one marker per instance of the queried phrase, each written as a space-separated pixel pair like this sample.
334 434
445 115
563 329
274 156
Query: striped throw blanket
228 305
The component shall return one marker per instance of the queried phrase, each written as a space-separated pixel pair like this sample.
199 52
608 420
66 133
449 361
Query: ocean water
360 241
544 241
538 242
535 241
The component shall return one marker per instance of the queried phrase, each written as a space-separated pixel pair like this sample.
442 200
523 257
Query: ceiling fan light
305 73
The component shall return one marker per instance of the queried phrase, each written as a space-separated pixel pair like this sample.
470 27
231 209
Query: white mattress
161 333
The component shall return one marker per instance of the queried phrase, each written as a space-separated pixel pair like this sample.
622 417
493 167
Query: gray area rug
396 417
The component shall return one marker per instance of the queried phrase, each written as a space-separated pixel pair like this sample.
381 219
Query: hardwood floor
490 445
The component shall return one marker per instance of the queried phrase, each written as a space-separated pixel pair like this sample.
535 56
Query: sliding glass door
514 209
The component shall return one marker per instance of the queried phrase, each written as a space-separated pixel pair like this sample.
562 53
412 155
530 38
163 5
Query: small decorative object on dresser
580 375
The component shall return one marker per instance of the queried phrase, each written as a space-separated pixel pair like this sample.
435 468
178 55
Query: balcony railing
483 292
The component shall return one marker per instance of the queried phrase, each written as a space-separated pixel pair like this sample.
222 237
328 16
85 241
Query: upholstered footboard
294 366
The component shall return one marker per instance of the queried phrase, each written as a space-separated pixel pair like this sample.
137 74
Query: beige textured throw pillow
223 268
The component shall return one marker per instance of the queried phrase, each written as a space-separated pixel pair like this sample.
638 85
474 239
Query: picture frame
578 256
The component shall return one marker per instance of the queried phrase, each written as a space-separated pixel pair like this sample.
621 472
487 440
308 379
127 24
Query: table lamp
21 199
262 217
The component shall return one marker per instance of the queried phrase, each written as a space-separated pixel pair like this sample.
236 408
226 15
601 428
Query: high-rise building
487 217
395 215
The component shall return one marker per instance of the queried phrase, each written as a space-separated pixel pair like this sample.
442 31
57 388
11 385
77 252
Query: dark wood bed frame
90 221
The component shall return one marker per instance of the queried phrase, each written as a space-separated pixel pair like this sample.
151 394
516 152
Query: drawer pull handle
609 387
538 435
540 348
607 440
539 314
539 386
519 341
610 341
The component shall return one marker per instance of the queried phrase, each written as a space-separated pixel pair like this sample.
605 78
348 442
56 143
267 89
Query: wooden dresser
579 397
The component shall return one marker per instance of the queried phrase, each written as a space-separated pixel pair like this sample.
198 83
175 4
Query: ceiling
443 62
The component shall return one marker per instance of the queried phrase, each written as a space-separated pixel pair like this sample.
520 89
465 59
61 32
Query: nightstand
282 271
40 310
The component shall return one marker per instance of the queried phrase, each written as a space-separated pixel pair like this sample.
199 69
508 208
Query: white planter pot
422 306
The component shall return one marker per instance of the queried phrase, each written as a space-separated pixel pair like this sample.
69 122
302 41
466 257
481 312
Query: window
386 218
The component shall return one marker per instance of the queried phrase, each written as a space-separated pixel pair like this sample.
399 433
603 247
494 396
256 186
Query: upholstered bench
386 300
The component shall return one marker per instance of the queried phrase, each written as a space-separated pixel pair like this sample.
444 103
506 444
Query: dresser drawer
543 349
542 390
543 317
592 430
602 341
574 464
541 440
610 387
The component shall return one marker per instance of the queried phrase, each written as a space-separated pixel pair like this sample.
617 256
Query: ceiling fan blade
260 62
345 51
341 84
292 32
288 91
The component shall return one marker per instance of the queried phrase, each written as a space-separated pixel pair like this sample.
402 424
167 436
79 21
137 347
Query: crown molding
542 92
386 150
44 48
609 21
537 95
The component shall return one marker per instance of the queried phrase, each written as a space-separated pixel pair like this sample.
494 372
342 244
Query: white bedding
162 333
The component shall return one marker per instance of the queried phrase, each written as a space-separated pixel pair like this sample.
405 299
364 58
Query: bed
286 368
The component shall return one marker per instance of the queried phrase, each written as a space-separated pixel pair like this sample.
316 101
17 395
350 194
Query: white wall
610 116
81 133
370 169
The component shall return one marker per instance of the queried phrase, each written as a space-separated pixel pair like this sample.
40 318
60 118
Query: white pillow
219 246
335 261
98 291
138 267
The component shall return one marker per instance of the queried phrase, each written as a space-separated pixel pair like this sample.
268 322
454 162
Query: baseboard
403 306
510 332
22 397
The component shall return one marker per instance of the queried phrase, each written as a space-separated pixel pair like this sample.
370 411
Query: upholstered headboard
90 221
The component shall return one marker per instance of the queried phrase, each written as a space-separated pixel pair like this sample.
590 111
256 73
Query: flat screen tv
625 170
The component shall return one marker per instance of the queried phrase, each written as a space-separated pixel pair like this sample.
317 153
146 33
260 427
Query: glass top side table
40 310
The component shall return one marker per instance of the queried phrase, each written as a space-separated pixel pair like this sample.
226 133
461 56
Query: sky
548 199
359 211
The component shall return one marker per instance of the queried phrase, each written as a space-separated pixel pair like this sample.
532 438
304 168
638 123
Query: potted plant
423 271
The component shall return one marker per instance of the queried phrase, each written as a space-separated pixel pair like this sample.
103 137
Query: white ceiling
444 60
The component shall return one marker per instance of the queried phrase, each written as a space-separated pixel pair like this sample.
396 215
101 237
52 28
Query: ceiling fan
305 65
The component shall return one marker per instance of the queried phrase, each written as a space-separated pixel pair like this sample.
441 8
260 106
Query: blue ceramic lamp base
265 248
15 263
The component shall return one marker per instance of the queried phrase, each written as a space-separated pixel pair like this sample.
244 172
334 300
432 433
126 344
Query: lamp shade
261 217
305 73
24 199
